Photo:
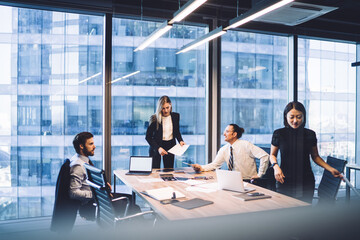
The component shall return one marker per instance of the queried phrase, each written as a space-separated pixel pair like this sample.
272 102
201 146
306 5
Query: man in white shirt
243 155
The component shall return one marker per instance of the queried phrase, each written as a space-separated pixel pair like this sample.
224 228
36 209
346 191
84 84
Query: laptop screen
140 164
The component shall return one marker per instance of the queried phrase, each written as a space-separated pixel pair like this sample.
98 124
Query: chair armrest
119 198
133 216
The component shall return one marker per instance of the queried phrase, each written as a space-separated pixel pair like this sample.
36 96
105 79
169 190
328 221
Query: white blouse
167 128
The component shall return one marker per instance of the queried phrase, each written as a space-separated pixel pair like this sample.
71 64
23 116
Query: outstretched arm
319 161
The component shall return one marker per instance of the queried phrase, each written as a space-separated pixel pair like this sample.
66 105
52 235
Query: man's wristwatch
272 165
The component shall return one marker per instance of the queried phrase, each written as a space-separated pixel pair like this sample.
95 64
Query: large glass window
158 71
51 89
254 84
327 87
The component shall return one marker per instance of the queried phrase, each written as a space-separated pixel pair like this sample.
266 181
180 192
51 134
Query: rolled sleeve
218 161
259 153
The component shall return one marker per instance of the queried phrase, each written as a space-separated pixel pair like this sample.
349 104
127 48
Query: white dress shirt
244 154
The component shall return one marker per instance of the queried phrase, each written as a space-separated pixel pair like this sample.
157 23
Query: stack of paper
163 193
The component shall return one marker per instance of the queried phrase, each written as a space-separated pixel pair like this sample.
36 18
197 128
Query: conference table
224 203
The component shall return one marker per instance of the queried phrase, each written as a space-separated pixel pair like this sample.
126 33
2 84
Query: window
254 85
51 89
327 89
158 71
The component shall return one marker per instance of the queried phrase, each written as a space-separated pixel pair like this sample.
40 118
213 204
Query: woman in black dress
296 143
164 128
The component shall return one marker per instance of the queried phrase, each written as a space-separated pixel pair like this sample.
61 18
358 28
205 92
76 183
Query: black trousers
168 159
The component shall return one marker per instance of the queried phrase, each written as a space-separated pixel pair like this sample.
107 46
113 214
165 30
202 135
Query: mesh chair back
329 185
98 184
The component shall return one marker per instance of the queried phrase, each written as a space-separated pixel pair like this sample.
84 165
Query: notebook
140 165
246 197
231 180
164 193
192 203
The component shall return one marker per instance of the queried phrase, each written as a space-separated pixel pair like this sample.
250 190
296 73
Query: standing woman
163 129
296 143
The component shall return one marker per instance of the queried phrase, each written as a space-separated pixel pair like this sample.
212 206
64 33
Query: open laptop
231 180
140 165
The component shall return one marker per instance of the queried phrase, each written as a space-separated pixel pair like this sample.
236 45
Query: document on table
163 193
150 180
178 150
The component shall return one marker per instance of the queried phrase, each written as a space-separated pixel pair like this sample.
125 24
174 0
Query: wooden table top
224 202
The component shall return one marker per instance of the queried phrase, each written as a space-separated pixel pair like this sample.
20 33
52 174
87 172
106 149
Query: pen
187 164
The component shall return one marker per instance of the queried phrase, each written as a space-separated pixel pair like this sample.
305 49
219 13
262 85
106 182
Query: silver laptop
231 180
140 165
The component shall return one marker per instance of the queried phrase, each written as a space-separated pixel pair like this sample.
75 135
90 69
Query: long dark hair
298 106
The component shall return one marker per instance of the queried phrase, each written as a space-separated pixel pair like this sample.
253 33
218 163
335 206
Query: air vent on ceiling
295 13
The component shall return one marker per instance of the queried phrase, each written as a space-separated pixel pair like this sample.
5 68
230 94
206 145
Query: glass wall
51 89
327 87
140 78
254 84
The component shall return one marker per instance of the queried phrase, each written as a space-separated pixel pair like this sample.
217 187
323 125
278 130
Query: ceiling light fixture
91 77
155 35
126 76
206 38
185 10
179 15
255 12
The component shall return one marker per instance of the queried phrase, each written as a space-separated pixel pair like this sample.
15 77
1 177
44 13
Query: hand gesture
197 167
279 176
162 151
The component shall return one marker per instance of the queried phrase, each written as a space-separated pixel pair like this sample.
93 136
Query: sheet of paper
164 193
150 180
193 182
200 189
214 186
178 150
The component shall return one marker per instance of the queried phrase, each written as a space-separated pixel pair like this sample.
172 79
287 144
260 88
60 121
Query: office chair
267 180
329 185
107 215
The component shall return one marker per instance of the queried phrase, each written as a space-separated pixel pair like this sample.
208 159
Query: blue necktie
231 160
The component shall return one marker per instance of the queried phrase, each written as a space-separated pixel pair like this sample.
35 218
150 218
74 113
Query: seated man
239 155
79 189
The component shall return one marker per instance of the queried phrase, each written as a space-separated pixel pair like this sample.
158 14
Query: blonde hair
160 103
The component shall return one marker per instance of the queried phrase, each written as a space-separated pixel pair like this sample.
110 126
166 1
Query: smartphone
253 194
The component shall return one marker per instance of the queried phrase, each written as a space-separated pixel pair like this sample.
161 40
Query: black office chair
329 185
267 180
107 215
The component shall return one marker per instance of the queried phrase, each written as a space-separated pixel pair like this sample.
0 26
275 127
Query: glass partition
140 78
51 89
327 87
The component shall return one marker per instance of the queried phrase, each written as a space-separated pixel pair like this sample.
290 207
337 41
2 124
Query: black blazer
154 136
65 208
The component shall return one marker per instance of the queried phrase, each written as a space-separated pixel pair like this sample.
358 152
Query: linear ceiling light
155 35
185 10
255 13
89 78
126 76
179 15
206 38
